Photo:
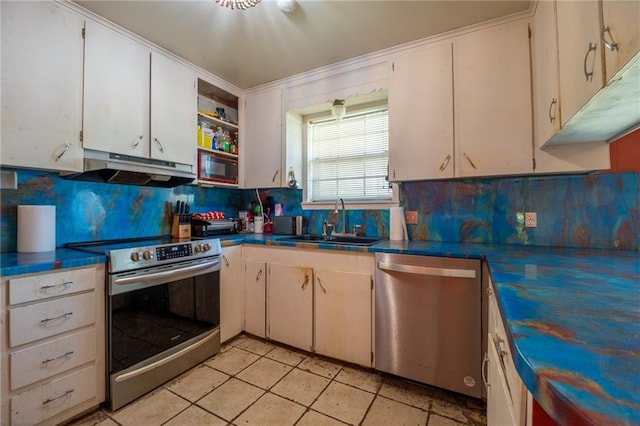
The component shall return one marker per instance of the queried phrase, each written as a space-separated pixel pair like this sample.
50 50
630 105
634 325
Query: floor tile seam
238 415
177 414
289 399
203 396
321 413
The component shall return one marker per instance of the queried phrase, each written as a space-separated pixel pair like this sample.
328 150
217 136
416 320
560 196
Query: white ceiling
263 44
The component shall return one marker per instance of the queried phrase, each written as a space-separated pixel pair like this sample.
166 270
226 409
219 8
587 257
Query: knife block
181 227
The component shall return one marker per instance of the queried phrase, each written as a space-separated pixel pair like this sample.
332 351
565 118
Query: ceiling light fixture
238 4
338 110
287 6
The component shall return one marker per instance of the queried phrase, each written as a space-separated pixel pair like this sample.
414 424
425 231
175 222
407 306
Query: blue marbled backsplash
597 211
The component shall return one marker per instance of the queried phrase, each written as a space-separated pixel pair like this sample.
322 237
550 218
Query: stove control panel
175 251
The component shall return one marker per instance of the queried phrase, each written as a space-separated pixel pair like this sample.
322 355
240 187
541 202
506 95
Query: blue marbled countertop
572 316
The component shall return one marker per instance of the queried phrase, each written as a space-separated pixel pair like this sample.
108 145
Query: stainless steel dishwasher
428 320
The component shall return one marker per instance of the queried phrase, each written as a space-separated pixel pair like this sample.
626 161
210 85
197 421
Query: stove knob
198 248
135 256
206 247
146 255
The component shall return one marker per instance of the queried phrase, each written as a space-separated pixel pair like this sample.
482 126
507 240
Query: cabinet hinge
534 164
81 136
529 28
393 66
84 33
371 281
372 357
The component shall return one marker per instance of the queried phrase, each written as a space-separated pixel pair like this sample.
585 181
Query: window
348 158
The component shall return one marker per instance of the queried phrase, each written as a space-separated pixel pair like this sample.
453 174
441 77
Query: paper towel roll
397 224
36 229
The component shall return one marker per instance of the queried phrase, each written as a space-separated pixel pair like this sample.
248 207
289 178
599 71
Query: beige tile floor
254 382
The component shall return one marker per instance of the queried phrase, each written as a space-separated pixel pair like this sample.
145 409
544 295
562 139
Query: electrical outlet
530 219
411 217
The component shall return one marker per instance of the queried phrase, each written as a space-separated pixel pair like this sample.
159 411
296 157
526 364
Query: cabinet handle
259 275
48 400
485 366
611 45
552 118
464 154
159 144
273 179
489 291
324 290
136 143
592 48
306 281
64 284
64 150
48 360
445 163
63 316
226 261
498 342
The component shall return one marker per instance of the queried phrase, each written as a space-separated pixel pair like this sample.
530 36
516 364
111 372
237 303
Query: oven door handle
173 273
146 368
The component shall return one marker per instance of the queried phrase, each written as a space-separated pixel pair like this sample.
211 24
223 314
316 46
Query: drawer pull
485 365
64 284
48 400
498 344
63 316
46 361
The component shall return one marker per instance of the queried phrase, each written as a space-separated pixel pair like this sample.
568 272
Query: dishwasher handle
427 270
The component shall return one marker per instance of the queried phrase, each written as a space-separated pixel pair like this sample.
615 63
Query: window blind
348 158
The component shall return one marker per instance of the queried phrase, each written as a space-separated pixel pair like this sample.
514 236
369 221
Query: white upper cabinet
261 144
546 101
137 102
492 92
116 93
41 86
621 31
580 49
421 114
174 105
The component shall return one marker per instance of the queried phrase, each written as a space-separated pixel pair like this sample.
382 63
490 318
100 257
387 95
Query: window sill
351 205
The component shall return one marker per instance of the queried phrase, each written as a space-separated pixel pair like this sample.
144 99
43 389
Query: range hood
128 170
610 114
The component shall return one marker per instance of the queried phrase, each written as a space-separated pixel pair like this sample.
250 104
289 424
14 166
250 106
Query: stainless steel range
163 311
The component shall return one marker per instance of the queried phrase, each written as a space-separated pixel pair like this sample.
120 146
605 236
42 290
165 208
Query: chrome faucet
344 215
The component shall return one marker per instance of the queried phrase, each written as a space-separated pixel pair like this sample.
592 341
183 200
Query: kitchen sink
333 239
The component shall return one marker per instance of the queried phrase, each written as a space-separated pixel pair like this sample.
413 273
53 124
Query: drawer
38 404
40 287
40 320
41 361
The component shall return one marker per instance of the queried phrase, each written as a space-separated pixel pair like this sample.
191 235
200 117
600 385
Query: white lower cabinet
53 359
319 301
290 305
254 296
507 402
344 315
231 293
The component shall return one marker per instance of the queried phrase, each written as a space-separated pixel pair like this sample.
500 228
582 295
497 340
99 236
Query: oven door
161 322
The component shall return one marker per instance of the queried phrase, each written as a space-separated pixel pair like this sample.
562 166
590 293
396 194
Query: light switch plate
530 219
411 217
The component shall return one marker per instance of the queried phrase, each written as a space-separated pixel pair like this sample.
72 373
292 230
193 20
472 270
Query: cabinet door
492 93
499 406
579 54
174 99
116 93
290 305
254 300
231 293
261 145
41 86
621 17
343 315
546 98
421 114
